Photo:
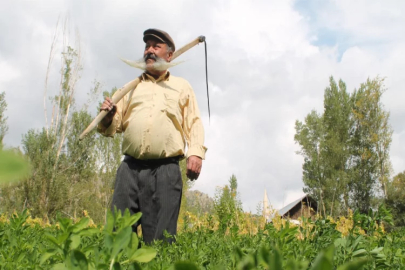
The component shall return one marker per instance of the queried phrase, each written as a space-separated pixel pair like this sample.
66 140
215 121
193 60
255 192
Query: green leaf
49 253
109 226
264 257
134 266
276 262
108 241
133 245
117 266
12 167
52 239
185 266
121 241
144 254
353 265
81 224
75 238
89 231
59 266
78 260
135 217
360 253
324 260
376 250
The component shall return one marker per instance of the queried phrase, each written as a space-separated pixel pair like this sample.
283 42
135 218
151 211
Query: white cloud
8 72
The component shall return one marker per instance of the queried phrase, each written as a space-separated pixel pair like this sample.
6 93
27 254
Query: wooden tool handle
117 97
132 85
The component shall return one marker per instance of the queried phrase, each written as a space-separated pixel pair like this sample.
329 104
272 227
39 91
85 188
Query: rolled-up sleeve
193 127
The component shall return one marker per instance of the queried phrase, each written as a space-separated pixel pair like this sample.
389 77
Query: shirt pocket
138 101
172 107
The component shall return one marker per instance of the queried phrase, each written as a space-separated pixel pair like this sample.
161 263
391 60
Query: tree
311 138
228 206
395 199
346 149
370 145
3 118
324 145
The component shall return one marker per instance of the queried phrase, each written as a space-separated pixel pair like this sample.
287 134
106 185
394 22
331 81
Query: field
356 242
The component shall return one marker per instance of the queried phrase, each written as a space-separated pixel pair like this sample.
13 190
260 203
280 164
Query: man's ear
169 56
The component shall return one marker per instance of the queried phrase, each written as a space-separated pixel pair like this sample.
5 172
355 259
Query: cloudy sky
269 63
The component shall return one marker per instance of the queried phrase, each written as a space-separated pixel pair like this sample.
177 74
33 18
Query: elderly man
158 117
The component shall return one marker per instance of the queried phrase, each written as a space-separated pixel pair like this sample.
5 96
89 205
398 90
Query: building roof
283 211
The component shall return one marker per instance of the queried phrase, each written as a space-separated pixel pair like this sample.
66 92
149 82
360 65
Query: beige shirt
158 117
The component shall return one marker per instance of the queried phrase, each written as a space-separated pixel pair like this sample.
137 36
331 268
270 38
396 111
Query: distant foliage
199 203
228 207
346 148
3 118
396 199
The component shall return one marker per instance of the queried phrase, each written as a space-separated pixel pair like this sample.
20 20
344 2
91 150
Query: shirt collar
163 77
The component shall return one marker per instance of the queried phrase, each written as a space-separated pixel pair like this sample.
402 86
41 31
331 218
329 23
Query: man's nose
149 50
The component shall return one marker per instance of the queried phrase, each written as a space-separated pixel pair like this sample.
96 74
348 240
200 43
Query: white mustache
159 64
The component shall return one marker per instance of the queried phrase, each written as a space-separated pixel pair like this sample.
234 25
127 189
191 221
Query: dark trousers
154 188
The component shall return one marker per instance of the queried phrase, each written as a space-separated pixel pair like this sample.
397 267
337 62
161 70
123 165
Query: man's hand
108 105
194 165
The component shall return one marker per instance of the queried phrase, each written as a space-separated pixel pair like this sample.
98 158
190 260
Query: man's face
156 49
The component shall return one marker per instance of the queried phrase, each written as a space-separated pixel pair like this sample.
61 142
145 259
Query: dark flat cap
160 35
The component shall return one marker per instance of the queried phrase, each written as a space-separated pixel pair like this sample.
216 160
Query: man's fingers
108 105
194 165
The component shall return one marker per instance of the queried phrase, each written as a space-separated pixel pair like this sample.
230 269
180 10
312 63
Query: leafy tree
396 198
324 145
346 149
228 206
3 118
370 144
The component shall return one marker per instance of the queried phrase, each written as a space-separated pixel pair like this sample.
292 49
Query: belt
153 162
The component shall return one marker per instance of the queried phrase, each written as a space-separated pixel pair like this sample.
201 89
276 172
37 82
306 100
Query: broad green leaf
117 266
144 254
49 253
264 257
133 245
353 265
134 218
52 239
360 253
108 241
13 167
78 260
59 266
276 262
185 266
89 231
75 238
135 266
324 260
109 226
121 241
81 224
376 250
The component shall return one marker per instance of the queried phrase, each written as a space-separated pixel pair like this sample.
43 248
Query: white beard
159 64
